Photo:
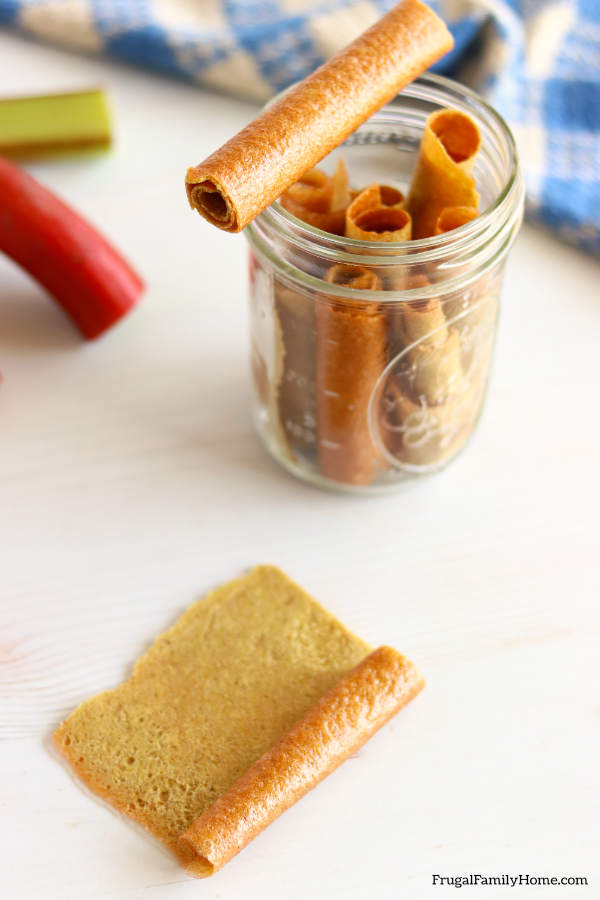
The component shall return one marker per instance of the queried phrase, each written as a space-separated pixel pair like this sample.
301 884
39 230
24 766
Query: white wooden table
131 482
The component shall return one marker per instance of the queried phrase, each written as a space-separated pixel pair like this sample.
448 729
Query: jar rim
422 250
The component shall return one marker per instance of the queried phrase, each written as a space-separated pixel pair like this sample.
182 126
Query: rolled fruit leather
448 375
351 355
391 196
375 214
247 726
442 197
479 300
416 434
378 214
454 217
233 185
352 349
320 200
429 402
328 734
442 176
369 219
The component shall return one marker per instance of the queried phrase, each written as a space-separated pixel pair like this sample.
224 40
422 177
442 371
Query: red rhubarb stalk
73 261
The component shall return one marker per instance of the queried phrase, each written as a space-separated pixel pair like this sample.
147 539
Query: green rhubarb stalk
54 124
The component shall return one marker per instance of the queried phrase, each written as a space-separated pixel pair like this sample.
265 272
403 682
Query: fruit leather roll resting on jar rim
250 171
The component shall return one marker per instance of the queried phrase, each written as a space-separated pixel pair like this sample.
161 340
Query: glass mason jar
370 360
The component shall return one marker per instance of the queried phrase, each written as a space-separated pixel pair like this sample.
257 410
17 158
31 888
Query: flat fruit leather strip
213 693
442 175
351 355
453 217
335 728
251 698
250 171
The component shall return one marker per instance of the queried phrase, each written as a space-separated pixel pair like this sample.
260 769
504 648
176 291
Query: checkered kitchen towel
537 62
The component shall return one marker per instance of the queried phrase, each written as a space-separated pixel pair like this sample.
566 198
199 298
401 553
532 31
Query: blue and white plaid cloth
536 61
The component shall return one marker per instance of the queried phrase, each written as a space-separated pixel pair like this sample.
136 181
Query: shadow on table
31 320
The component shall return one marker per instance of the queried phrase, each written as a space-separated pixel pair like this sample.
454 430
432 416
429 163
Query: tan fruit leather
317 199
320 200
378 214
335 728
212 694
351 354
352 347
442 175
313 191
368 218
450 218
427 435
433 349
453 217
420 318
391 196
417 404
438 370
233 185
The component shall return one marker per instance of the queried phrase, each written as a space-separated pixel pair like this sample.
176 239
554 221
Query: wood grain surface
131 483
